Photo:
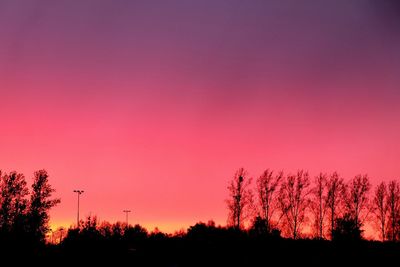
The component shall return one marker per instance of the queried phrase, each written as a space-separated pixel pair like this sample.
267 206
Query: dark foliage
24 214
205 244
24 223
260 229
347 230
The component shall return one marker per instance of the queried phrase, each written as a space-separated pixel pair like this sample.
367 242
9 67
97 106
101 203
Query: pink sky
153 107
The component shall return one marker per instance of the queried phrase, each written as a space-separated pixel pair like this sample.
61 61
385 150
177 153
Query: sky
152 105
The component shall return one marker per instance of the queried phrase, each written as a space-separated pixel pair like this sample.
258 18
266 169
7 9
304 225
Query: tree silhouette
293 200
393 200
347 229
319 203
267 187
13 201
356 198
117 230
105 229
137 233
59 235
336 188
202 232
39 205
241 199
380 208
24 222
259 229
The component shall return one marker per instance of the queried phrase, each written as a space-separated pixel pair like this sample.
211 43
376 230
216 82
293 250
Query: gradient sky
153 105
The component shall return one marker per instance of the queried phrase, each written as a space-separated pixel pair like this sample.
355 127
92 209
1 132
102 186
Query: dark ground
200 252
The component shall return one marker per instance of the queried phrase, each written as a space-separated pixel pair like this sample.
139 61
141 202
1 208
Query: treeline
261 215
24 212
327 205
205 244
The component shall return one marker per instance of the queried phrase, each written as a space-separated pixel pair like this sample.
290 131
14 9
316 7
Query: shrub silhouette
260 229
347 229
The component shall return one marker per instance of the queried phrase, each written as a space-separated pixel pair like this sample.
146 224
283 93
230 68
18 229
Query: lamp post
79 192
126 212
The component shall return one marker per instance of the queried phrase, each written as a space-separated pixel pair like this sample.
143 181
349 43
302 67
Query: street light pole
126 212
79 192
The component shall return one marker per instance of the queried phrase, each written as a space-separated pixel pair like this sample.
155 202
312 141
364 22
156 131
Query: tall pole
79 192
126 212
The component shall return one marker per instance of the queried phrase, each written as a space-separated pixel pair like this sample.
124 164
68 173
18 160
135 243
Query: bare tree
319 203
240 199
380 208
336 187
267 185
393 202
356 198
293 201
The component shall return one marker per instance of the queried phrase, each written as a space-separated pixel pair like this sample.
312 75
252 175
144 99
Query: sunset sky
153 105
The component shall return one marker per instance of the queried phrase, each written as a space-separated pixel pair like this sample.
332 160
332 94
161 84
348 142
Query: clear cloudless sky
153 105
